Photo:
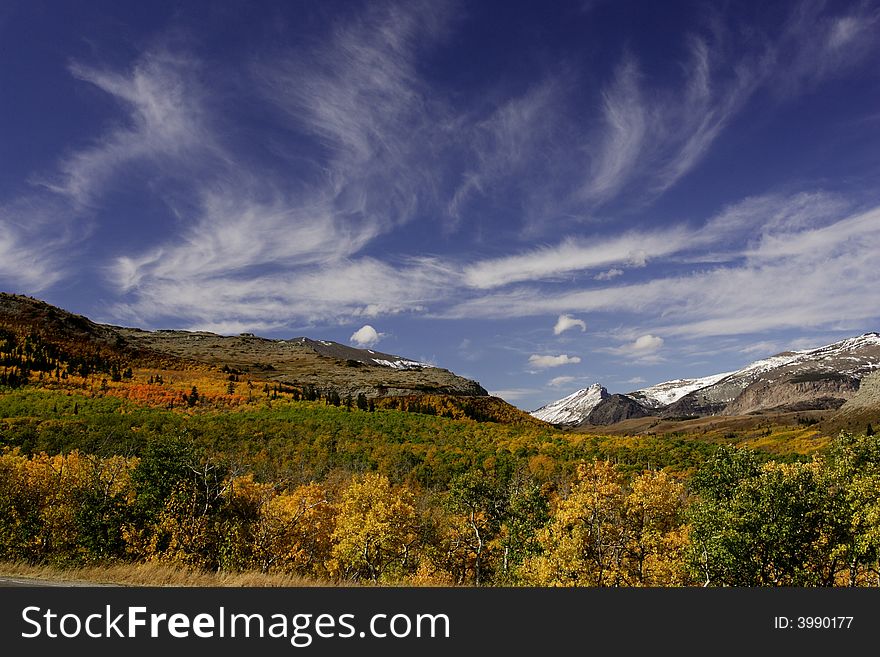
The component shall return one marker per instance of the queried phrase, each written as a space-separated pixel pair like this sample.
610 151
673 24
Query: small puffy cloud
366 336
543 362
642 348
566 322
636 380
560 381
646 344
608 275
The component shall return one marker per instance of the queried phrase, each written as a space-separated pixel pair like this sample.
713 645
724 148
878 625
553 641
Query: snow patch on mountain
400 364
663 394
574 408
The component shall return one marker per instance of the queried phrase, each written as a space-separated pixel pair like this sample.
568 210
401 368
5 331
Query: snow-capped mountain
663 394
365 356
572 409
823 377
764 379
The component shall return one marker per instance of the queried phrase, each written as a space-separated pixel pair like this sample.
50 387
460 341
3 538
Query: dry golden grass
150 574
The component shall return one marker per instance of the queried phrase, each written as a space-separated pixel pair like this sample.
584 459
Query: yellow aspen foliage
19 507
183 534
583 543
375 529
293 533
62 508
448 558
656 539
609 533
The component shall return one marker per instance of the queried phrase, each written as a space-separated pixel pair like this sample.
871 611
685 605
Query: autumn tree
479 498
19 508
610 532
852 478
375 529
292 531
524 513
583 544
656 537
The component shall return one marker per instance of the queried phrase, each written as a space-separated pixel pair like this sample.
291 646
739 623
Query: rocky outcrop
868 396
861 410
694 404
616 408
811 391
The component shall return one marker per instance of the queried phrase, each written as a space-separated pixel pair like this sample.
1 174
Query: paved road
29 581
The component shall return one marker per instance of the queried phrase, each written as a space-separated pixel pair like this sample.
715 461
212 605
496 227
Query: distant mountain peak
574 408
825 374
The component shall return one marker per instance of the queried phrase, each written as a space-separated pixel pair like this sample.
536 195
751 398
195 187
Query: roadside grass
154 574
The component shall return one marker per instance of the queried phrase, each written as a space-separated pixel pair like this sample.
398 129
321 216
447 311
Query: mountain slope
821 378
297 362
573 409
853 357
663 394
614 409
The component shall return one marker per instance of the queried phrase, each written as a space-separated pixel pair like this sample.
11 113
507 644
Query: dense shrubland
105 463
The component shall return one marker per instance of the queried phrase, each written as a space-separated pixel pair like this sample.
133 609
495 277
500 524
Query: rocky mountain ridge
826 377
296 362
574 408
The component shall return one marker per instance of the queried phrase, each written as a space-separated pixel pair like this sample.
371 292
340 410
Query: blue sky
535 195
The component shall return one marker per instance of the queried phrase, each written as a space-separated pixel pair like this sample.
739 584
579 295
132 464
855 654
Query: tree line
736 521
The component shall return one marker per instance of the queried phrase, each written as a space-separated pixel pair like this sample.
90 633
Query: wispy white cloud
502 148
642 350
236 229
252 248
514 394
622 142
543 362
21 265
559 381
633 249
653 137
359 94
566 322
336 292
816 44
763 348
765 216
35 244
44 229
162 100
791 267
254 244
